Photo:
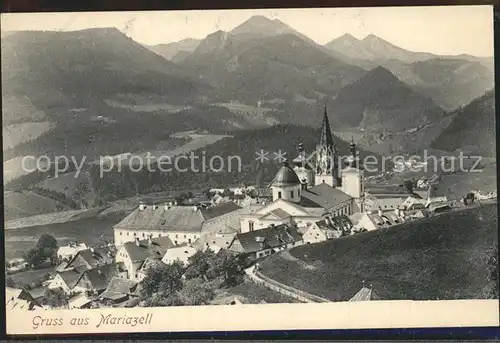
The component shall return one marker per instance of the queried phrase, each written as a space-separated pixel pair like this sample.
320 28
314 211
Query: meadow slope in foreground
445 257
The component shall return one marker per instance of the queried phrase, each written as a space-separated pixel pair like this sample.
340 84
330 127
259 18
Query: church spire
325 155
326 138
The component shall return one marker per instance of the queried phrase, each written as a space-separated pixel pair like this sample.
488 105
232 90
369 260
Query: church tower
325 156
353 179
303 168
286 185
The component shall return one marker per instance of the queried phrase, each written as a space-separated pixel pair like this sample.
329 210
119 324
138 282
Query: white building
180 253
70 250
182 224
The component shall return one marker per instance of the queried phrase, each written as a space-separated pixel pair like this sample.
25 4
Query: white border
341 315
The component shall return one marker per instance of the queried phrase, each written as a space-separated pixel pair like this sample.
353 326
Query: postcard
232 170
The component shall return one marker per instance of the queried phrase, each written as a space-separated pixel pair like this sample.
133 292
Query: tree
199 264
408 184
47 241
55 298
196 293
35 257
163 279
46 247
80 193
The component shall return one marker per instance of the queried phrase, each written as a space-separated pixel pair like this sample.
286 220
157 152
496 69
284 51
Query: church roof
325 196
286 176
326 137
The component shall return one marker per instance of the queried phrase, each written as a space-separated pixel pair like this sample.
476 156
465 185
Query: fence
274 285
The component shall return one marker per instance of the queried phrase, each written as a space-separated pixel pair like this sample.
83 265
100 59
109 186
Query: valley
238 91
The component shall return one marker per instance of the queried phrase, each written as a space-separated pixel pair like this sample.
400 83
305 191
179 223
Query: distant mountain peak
261 25
371 37
348 37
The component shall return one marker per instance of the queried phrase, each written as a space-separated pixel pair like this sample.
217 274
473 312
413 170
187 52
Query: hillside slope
380 101
451 83
472 129
439 258
57 71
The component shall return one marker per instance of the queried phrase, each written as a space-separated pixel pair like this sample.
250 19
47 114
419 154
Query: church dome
286 176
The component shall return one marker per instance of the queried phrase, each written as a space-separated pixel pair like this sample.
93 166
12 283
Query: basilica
304 193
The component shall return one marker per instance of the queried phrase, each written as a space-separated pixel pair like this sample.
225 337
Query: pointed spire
326 138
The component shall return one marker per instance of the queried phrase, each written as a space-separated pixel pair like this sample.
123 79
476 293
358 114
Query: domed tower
286 184
303 168
326 171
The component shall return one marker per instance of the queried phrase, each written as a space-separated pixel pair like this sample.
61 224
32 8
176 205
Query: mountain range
472 129
261 72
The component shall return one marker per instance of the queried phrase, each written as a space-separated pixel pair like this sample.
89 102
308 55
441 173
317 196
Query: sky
441 30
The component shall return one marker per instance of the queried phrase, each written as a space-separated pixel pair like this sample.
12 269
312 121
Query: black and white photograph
219 159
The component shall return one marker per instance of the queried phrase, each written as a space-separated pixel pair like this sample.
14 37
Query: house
120 290
145 266
262 195
411 203
365 294
180 253
182 224
80 301
440 207
133 254
379 220
66 280
422 183
264 242
328 228
19 299
216 191
96 280
434 200
90 258
68 251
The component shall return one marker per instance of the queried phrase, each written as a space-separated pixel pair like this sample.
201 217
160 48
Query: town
190 251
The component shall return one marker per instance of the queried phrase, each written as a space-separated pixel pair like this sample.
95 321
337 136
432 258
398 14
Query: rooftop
154 248
270 237
286 176
178 218
323 196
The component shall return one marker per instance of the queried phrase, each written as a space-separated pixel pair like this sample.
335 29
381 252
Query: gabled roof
270 237
324 196
79 301
219 210
70 277
154 248
277 213
338 223
174 218
365 294
118 288
99 278
92 257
